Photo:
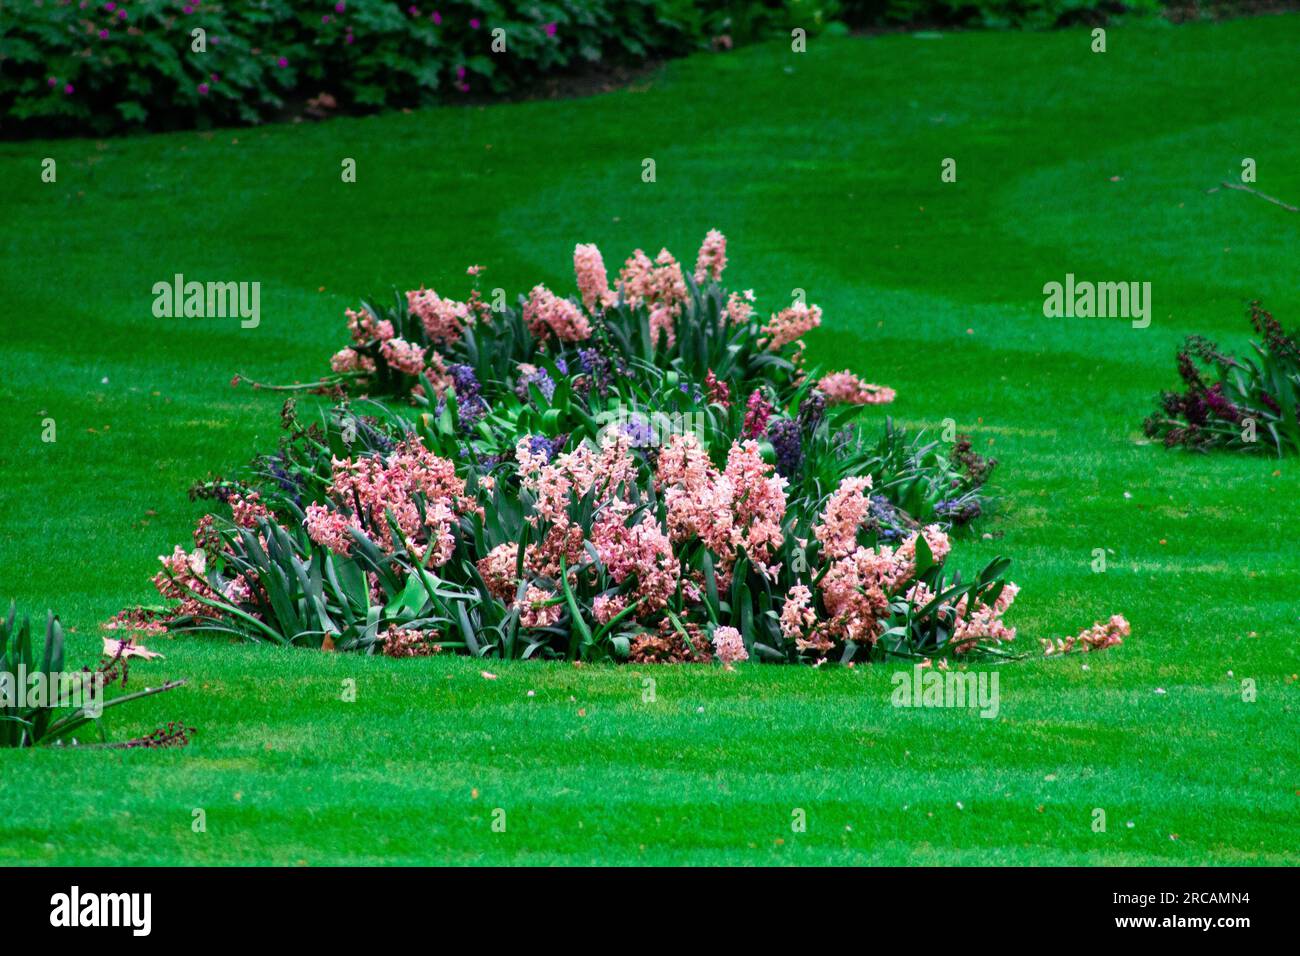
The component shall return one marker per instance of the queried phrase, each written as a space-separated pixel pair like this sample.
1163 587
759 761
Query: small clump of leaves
41 703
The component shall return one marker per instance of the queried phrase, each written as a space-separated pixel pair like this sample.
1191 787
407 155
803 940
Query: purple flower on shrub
54 81
340 6
548 448
561 366
464 380
535 376
103 34
469 400
203 89
187 9
596 365
436 17
788 444
110 7
282 63
958 512
886 516
473 24
639 432
69 89
121 14
469 410
550 29
811 411
1220 405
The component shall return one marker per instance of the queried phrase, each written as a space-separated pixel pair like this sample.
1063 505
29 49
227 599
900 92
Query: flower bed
648 471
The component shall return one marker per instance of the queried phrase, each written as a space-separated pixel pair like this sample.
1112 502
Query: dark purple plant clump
959 512
539 377
171 735
786 439
1245 403
811 411
975 466
470 404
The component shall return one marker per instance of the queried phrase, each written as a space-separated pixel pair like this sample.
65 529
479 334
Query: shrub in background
68 66
1034 14
73 67
98 66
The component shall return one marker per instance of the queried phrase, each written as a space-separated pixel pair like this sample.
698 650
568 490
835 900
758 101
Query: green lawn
823 171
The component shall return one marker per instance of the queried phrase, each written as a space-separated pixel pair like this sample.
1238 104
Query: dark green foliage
73 68
263 56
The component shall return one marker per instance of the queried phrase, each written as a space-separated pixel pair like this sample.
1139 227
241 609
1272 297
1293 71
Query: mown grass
823 169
